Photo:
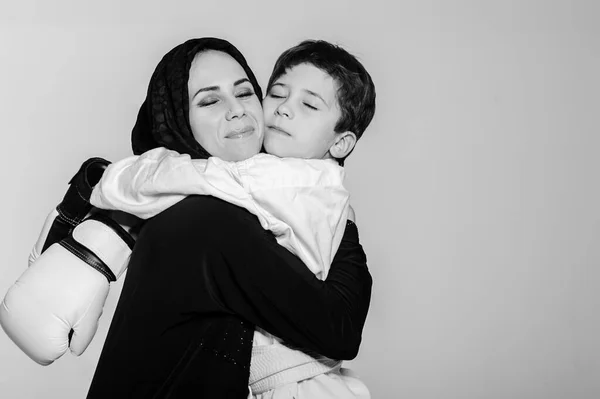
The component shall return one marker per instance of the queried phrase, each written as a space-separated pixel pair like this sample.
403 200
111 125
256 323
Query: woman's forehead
214 68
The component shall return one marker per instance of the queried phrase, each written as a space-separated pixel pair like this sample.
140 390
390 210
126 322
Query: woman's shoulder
197 228
203 217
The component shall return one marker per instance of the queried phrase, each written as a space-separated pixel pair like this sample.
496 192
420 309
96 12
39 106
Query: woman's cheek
257 111
205 128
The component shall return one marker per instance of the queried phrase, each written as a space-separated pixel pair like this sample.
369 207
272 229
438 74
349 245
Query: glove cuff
103 244
76 202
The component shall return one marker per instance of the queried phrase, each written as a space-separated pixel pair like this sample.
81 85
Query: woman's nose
236 110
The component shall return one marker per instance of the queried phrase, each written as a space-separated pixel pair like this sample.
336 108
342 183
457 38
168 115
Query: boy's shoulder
275 171
266 159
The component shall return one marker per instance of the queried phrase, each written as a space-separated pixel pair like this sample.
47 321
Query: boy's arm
131 184
158 179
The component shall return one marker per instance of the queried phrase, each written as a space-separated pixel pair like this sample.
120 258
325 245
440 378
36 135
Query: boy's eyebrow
317 95
218 88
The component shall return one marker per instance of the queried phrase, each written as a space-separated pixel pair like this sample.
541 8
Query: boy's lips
278 129
240 133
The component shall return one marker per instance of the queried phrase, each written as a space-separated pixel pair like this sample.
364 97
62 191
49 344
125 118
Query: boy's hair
355 88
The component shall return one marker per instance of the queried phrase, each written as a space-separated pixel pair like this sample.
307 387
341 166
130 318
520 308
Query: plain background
476 187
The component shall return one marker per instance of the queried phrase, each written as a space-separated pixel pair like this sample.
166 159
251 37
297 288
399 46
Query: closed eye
245 94
311 107
207 103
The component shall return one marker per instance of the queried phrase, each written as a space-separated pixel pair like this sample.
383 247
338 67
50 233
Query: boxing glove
58 300
74 207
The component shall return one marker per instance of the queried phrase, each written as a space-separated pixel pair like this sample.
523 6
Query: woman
204 272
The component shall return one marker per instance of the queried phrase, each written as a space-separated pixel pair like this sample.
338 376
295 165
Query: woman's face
225 114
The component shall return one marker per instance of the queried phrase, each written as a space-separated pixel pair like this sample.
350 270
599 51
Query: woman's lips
240 133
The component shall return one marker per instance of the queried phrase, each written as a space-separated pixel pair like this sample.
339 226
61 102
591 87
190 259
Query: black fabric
163 119
190 289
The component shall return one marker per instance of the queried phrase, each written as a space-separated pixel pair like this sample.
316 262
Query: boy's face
300 112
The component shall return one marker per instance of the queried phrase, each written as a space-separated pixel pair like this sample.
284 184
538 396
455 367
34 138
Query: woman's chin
242 151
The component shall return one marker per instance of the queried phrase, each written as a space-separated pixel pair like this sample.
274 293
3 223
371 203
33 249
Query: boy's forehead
309 77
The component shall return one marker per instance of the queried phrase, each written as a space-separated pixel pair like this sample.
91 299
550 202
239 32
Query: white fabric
338 384
302 201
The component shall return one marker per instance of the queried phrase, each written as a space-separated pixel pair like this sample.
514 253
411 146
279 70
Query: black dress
203 273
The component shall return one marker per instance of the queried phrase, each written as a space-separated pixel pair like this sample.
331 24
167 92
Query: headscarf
163 119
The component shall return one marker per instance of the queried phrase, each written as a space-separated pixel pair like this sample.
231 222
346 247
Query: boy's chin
272 146
281 148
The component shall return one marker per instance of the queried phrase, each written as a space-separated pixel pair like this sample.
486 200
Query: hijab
163 119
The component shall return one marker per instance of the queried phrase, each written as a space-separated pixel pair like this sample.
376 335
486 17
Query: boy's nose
284 110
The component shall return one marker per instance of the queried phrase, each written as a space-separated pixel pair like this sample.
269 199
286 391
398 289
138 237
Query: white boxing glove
57 301
73 208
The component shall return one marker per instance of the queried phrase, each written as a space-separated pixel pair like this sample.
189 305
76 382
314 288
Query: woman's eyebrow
240 81
208 88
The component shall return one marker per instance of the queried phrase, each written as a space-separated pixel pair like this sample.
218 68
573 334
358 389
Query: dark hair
355 91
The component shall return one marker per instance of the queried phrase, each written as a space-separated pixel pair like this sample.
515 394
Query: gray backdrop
476 187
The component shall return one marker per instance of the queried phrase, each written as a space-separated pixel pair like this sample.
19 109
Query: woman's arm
327 316
240 268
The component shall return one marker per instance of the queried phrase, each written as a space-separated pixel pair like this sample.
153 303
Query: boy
320 100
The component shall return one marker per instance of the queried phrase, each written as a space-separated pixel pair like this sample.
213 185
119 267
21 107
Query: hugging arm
252 276
326 316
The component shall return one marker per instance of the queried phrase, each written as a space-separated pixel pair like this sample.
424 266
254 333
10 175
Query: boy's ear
343 144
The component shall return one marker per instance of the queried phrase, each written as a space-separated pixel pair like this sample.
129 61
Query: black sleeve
241 269
273 289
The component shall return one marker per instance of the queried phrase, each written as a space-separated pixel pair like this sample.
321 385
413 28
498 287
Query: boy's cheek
268 108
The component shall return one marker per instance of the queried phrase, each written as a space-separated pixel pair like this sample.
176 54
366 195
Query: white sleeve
148 184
